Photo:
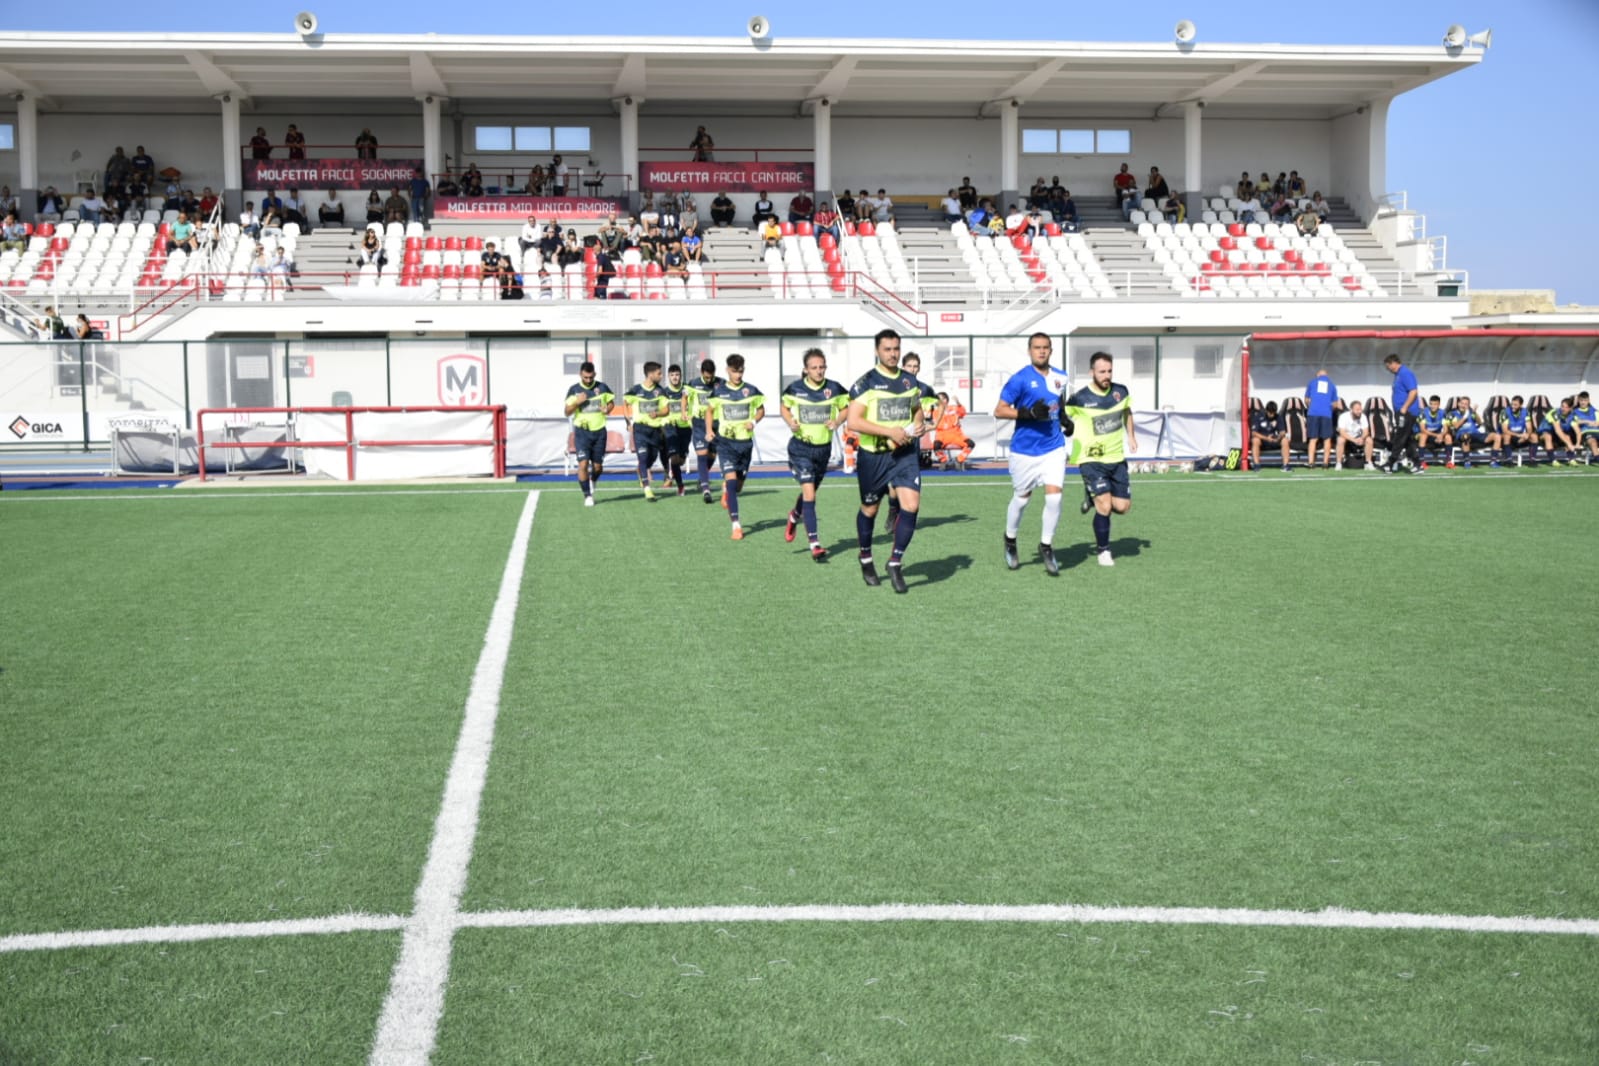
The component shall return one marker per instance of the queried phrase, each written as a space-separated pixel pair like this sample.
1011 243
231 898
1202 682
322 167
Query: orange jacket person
950 443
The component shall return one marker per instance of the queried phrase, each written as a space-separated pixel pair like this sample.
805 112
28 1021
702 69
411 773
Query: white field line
1044 913
226 494
180 934
409 1023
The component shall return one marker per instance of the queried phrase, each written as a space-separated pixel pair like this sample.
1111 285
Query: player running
813 407
885 409
648 412
1032 398
730 416
704 452
1103 415
679 433
587 404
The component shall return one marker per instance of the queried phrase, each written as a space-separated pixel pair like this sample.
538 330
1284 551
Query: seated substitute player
1516 429
1558 434
700 390
1354 434
648 412
1032 398
1102 412
951 445
730 416
587 404
885 409
1434 425
678 431
1466 426
1266 428
813 407
1585 426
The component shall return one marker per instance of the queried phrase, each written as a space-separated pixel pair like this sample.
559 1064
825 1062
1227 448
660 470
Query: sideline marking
1057 913
227 494
409 1023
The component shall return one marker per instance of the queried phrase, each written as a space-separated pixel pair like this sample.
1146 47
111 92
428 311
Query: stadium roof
724 75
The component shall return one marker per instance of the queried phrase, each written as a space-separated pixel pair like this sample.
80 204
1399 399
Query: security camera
428 100
227 98
628 100
305 24
759 27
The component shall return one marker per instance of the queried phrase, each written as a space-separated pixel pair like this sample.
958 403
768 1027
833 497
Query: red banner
547 208
733 177
330 173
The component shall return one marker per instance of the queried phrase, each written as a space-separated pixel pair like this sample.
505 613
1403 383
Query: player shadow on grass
932 571
1078 554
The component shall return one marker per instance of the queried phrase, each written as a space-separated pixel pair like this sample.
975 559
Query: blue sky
1497 157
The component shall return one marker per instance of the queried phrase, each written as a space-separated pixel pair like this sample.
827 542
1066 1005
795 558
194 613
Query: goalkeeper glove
1038 412
1066 424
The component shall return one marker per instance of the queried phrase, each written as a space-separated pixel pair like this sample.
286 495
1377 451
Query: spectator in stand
1354 434
865 206
374 207
883 208
559 169
1251 211
1280 186
173 201
472 181
208 202
1015 221
952 208
91 207
1559 434
295 141
1057 195
9 204
694 246
764 209
1156 189
13 235
547 285
612 235
1266 429
1307 223
771 234
83 330
136 193
1174 209
535 181
372 250
550 242
260 263
395 209
846 207
648 214
249 224
1263 187
967 193
1066 212
330 212
722 210
142 166
1282 209
529 237
571 250
116 169
294 210
272 221
282 267
1319 207
690 218
1296 185
366 145
996 224
704 147
448 186
676 262
181 235
421 196
50 206
1038 195
271 201
801 208
1125 185
52 328
977 218
1323 403
260 144
826 221
495 267
1245 187
670 213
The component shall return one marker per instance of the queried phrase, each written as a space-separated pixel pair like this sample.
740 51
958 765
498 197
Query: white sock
1051 517
1013 515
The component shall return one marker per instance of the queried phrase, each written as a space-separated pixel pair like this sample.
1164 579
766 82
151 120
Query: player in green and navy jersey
648 412
678 431
1557 433
911 363
587 404
1102 414
700 390
813 407
885 409
731 412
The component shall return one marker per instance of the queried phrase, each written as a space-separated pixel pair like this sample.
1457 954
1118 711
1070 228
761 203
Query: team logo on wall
463 380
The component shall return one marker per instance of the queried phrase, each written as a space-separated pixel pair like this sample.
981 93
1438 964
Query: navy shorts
877 472
1100 478
648 442
809 462
677 440
734 455
589 444
1319 427
697 428
1474 436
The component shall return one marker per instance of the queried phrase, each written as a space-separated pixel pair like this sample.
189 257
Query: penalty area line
408 1026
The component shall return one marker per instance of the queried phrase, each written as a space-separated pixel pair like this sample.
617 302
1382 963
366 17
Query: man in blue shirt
1585 425
1516 429
1407 408
1266 428
1322 397
1032 398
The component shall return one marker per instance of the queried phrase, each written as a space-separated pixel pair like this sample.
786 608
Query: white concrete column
823 156
28 152
432 157
232 164
627 111
1009 153
1193 160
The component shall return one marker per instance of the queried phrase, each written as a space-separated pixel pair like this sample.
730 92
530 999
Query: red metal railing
349 443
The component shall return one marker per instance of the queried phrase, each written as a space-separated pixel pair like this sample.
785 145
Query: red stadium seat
1351 283
786 228
474 244
472 270
1051 229
1228 243
652 269
1218 256
433 244
430 271
866 229
838 282
1235 229
452 244
826 241
45 229
452 271
803 229
413 244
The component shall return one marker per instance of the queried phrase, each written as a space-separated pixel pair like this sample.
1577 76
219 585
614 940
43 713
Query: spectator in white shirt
1251 210
248 223
952 207
1354 433
561 174
529 237
883 209
91 207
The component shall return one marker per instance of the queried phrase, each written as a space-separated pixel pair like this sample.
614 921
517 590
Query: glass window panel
532 138
1076 142
493 139
571 138
1038 142
1115 142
